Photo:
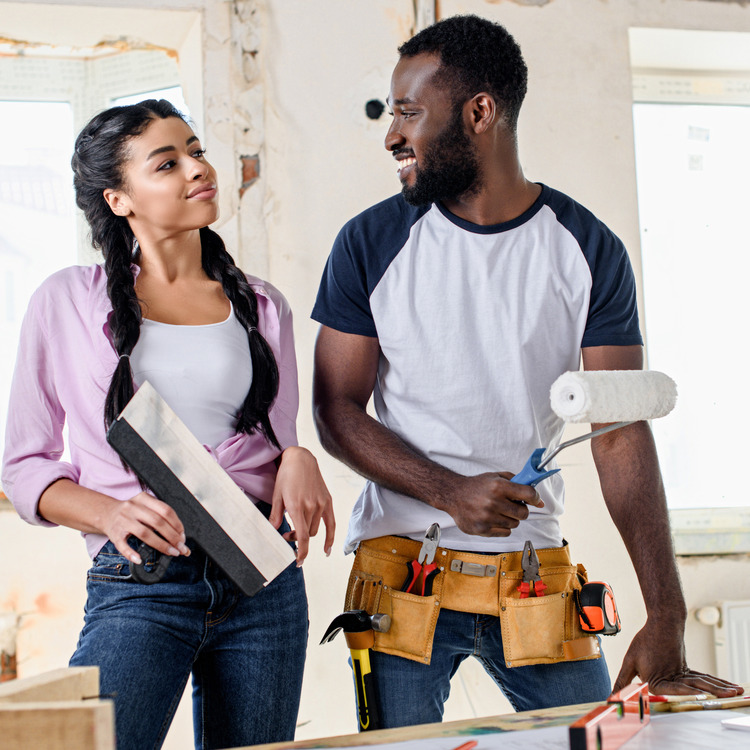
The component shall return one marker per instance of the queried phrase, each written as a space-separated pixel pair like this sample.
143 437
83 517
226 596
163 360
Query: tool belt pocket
374 586
546 629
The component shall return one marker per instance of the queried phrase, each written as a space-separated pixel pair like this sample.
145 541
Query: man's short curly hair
476 55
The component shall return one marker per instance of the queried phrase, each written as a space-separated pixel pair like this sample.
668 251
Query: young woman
168 306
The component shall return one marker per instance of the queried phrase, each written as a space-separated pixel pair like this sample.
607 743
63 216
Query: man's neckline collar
496 228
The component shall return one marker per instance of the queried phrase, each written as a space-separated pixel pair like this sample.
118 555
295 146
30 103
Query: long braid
101 151
219 265
125 324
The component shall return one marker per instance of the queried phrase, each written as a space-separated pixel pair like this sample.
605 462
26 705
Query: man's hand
301 492
489 504
657 656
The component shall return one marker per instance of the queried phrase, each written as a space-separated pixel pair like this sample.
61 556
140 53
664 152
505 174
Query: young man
459 302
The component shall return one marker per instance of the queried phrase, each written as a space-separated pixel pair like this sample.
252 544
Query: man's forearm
633 490
352 436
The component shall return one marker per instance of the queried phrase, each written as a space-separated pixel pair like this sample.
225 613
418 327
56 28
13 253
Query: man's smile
405 163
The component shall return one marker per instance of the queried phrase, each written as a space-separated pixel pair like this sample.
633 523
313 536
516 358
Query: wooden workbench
510 722
467 729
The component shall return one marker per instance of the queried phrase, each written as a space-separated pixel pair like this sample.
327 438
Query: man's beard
449 168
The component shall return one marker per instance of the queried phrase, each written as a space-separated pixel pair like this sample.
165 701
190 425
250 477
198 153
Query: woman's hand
301 492
66 503
148 519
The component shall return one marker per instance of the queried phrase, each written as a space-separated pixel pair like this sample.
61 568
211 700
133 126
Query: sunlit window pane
172 94
37 217
692 166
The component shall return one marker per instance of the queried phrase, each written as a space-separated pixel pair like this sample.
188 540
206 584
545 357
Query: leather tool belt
535 630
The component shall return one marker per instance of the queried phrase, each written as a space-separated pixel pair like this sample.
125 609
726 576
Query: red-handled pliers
532 582
424 564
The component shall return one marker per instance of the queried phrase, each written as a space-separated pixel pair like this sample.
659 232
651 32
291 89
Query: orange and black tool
532 582
610 726
424 568
597 609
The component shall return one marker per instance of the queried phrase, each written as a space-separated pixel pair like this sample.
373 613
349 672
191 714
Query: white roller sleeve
613 395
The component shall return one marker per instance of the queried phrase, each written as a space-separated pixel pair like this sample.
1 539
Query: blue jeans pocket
109 565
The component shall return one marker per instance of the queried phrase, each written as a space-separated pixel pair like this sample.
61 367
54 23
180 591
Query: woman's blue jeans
409 692
246 654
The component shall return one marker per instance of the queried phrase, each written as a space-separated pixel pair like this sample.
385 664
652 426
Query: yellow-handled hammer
359 630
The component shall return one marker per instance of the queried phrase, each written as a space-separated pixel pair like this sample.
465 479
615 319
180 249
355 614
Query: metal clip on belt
473 569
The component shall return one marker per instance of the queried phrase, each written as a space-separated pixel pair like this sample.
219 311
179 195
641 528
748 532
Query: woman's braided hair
101 153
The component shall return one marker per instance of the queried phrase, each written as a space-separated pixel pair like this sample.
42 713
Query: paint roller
617 396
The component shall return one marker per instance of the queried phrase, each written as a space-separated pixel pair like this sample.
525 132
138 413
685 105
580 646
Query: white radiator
732 641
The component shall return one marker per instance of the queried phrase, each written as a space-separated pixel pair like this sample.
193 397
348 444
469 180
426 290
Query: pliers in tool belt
532 581
424 564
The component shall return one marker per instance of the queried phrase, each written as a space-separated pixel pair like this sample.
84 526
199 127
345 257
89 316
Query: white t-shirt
202 372
474 324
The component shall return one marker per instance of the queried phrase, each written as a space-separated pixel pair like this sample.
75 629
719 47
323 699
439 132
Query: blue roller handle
530 474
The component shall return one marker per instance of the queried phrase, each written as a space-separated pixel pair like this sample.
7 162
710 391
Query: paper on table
740 722
701 730
694 730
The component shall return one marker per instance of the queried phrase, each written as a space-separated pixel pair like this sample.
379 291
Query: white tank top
202 372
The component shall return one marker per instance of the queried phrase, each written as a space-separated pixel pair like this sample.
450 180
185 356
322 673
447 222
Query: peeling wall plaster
738 2
520 2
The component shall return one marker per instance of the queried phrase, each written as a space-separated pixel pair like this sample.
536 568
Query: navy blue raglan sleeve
343 300
361 254
613 307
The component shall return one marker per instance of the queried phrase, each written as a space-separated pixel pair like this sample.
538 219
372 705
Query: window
37 213
48 90
692 161
172 94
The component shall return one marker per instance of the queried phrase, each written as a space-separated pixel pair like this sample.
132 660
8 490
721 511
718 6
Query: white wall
299 103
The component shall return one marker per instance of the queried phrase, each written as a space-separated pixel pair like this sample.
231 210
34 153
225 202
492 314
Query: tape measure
597 610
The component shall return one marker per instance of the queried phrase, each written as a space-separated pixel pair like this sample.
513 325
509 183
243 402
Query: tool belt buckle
473 569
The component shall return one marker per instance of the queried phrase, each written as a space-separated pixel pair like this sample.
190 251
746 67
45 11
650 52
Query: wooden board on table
468 729
465 729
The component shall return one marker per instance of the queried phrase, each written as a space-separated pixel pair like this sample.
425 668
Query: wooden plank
56 710
68 684
463 729
87 725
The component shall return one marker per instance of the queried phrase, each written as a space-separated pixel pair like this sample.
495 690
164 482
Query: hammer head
357 621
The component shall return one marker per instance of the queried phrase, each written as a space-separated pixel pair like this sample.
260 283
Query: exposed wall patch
9 626
250 171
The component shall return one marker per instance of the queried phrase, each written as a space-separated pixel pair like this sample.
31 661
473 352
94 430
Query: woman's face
169 188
